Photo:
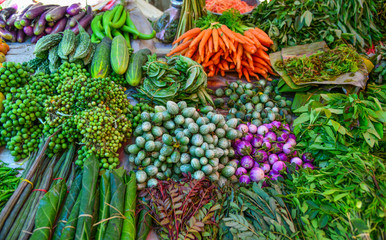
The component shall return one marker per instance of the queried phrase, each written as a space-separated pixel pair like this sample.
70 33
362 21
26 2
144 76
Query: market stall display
119 141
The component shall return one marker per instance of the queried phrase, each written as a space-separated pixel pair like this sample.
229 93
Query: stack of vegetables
222 45
220 6
255 103
116 22
37 20
177 78
191 12
264 150
9 181
179 139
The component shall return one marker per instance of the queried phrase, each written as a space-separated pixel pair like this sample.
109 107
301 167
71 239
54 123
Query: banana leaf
144 222
128 230
48 209
69 230
104 209
117 204
89 185
67 207
95 214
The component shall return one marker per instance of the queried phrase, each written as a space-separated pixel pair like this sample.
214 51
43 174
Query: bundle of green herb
331 126
344 200
322 66
296 22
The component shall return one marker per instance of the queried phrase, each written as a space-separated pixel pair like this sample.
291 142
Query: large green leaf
67 207
69 229
48 209
129 224
104 209
89 185
117 205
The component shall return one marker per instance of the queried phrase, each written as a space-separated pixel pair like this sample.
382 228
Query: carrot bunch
219 6
219 49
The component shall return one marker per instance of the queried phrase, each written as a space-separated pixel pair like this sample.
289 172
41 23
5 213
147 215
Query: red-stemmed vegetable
2 23
74 9
42 20
38 29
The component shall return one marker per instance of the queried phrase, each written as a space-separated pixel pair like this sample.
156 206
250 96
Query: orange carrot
197 39
253 74
216 58
216 71
191 51
231 66
179 48
221 44
210 44
208 56
263 55
229 33
251 36
208 64
263 39
259 60
215 39
250 63
204 40
264 48
250 48
238 56
261 32
222 72
246 74
227 42
191 34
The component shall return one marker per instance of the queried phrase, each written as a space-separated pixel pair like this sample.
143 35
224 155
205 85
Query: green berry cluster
13 75
135 115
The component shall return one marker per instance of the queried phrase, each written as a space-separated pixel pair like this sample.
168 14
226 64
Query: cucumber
134 71
100 65
119 55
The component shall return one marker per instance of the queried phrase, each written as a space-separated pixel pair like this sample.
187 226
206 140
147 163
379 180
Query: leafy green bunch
177 78
338 122
344 200
296 22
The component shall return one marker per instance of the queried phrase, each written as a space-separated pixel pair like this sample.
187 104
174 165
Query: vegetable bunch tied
220 48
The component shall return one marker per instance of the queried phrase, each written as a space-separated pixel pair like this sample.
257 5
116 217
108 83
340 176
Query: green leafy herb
323 65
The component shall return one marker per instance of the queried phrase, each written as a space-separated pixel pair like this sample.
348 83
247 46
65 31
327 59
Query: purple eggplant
38 29
7 35
89 9
56 13
42 20
14 35
2 24
29 31
35 39
74 9
59 26
7 13
89 30
11 20
73 20
48 30
20 36
21 15
84 22
37 11
25 22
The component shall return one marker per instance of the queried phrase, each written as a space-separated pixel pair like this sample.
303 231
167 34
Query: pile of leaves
176 79
379 61
253 212
184 209
337 122
297 22
344 200
323 65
